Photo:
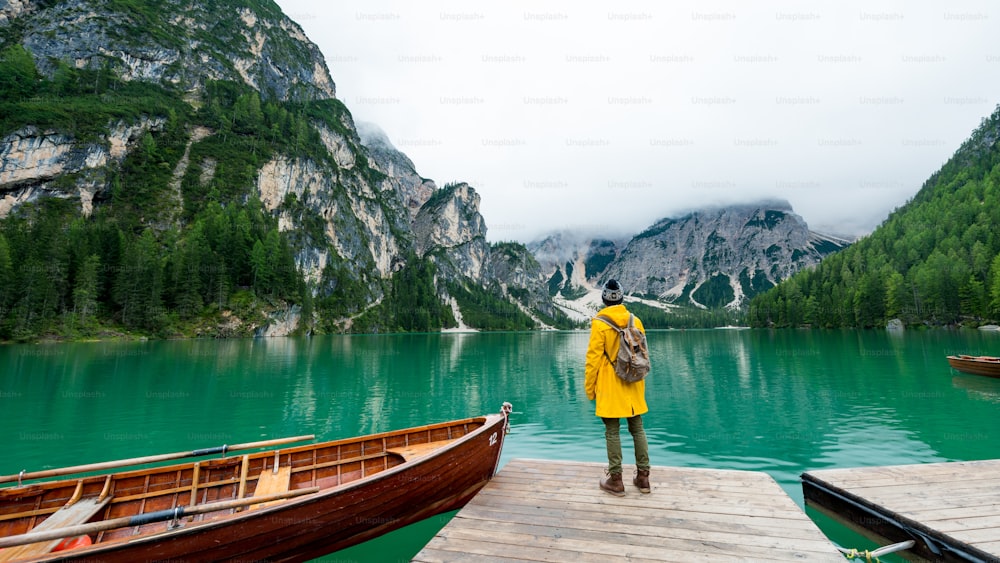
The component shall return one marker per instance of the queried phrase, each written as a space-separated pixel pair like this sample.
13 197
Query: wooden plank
687 502
554 511
747 490
243 477
457 550
676 520
72 515
933 514
195 476
414 451
640 534
463 556
744 496
956 481
931 472
929 498
954 507
627 549
989 547
271 482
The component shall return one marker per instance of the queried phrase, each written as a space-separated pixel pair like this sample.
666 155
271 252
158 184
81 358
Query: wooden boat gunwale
482 424
320 495
256 455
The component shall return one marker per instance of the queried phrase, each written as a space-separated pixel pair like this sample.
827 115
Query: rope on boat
506 409
870 556
936 547
930 543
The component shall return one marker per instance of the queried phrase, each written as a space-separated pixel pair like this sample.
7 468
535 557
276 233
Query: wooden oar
150 517
149 459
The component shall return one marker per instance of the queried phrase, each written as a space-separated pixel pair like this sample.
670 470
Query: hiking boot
613 484
641 480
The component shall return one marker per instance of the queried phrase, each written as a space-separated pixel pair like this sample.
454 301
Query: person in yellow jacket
615 398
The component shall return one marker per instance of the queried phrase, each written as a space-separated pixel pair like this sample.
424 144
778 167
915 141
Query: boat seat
270 483
72 515
414 451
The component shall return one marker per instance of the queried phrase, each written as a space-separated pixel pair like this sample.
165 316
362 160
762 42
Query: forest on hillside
935 260
150 261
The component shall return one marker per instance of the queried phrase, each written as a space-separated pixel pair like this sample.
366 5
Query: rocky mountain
448 229
720 257
708 258
179 122
412 188
181 44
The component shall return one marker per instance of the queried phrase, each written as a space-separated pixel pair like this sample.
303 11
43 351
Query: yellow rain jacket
615 398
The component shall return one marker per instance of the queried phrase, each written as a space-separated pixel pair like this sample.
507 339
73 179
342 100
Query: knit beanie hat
612 294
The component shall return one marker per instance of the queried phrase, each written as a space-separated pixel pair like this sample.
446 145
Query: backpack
632 363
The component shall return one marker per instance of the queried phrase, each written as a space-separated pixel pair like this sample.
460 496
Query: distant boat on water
976 365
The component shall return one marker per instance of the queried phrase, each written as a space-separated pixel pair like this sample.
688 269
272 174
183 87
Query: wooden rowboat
976 365
290 504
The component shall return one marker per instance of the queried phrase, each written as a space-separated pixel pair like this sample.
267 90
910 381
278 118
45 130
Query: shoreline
461 330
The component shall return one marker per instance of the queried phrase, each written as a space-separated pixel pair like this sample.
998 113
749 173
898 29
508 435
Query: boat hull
307 527
976 365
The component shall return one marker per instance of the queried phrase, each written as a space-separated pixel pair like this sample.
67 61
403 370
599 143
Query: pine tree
188 275
973 298
139 287
262 272
6 276
995 285
85 292
896 294
18 75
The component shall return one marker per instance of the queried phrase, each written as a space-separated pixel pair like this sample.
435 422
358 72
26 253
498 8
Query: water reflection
779 401
978 387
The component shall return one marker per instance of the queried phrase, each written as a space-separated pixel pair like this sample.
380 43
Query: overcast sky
608 116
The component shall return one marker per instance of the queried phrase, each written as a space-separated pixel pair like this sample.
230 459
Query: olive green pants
612 435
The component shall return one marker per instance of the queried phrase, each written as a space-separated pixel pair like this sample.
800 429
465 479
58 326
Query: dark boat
289 504
976 365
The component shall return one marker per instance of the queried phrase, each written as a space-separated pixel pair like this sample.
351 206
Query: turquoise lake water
782 402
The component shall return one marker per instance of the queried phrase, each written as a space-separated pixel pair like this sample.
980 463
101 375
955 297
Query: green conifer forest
934 261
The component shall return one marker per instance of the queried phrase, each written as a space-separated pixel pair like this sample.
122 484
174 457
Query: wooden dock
951 510
536 510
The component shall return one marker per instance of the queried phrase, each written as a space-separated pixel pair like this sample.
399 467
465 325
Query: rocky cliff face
712 257
198 42
523 279
574 259
732 252
31 160
12 9
180 43
449 228
355 209
413 189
